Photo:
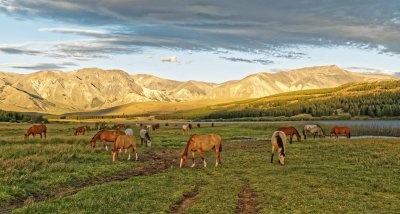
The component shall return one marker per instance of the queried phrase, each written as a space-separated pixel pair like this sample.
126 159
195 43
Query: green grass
320 176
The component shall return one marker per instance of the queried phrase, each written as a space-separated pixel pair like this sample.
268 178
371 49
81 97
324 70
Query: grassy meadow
62 174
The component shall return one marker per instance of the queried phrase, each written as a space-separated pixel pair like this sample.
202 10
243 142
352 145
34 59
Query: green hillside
373 99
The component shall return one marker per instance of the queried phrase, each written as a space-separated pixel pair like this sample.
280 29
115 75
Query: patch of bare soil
247 203
186 202
154 162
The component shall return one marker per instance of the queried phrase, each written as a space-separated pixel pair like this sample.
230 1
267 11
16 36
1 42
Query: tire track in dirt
186 202
154 162
247 203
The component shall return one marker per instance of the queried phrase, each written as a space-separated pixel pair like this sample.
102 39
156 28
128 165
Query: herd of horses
196 142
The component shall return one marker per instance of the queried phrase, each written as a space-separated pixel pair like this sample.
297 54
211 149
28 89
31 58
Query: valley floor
62 174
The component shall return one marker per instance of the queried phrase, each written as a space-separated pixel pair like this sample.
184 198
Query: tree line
14 117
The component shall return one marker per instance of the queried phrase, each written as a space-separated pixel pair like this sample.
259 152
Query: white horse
278 141
129 131
186 129
145 137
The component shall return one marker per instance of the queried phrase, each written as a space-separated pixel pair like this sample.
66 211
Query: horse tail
304 133
349 134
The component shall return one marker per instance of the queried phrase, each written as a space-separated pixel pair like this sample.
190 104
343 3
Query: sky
212 41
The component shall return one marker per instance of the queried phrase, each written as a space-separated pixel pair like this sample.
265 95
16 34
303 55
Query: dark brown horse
291 131
105 136
155 126
338 130
80 130
36 129
198 125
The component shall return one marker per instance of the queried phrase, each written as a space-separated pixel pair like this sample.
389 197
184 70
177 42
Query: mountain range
92 89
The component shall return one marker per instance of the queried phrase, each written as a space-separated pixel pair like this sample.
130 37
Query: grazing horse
124 142
338 130
129 131
313 129
278 142
291 131
145 137
120 126
80 130
155 126
36 129
212 124
105 136
186 128
198 125
202 143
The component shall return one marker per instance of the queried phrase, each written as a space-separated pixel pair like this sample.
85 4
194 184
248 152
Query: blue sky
208 40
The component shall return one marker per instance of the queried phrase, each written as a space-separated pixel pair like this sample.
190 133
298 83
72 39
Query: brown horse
80 130
291 131
198 125
105 136
36 129
155 126
338 130
278 142
202 143
124 142
120 126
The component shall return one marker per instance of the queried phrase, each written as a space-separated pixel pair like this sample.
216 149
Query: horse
212 124
278 142
291 131
80 130
120 126
145 137
36 129
155 126
129 131
202 143
124 142
186 128
148 127
337 130
313 129
105 136
198 125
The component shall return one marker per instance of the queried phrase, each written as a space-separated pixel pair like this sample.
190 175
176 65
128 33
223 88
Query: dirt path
247 203
154 162
186 202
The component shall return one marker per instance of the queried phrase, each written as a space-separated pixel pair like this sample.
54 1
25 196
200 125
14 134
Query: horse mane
187 145
280 144
96 135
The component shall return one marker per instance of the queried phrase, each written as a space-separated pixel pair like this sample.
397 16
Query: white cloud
169 59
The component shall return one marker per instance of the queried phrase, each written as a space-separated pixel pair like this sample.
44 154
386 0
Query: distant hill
93 89
372 99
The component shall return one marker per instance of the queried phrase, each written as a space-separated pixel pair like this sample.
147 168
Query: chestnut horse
105 136
155 126
80 130
120 126
338 130
291 131
278 142
202 143
36 129
124 142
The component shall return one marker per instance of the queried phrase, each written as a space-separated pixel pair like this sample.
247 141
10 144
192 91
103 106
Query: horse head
183 159
282 158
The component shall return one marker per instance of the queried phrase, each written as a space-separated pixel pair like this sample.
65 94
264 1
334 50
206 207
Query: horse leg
129 154
291 137
141 140
217 157
193 161
41 136
134 150
105 144
272 157
202 157
113 156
